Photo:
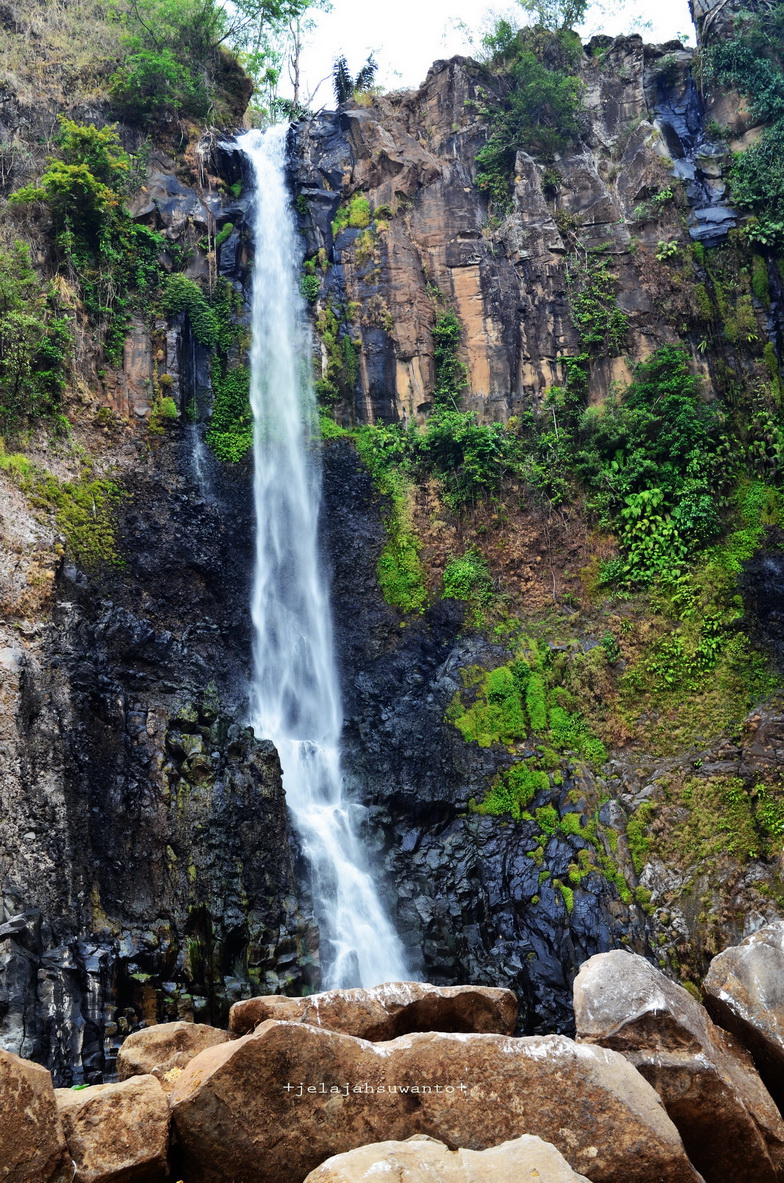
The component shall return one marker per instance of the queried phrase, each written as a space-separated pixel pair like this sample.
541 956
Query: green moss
740 321
399 569
85 511
230 433
355 214
512 791
451 374
547 819
535 701
636 834
164 410
468 578
771 362
759 280
497 714
703 303
567 894
310 286
181 294
223 234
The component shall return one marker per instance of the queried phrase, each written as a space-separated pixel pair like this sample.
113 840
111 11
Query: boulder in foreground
423 1160
744 992
32 1145
274 1105
729 1124
117 1133
165 1049
387 1011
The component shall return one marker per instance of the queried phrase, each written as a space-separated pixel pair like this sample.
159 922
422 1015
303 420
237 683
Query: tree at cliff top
555 14
536 110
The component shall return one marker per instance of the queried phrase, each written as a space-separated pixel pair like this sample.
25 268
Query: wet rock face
152 870
467 898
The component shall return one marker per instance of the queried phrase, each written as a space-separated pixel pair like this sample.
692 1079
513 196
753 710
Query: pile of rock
416 1083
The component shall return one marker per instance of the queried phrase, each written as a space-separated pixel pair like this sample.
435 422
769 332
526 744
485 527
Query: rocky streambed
418 1082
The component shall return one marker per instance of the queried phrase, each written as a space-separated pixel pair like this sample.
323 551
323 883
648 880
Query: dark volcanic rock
468 898
162 879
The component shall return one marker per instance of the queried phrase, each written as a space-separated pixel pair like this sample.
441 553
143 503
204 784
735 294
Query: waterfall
296 694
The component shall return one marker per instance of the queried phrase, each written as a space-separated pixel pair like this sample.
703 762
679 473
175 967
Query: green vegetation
181 294
513 791
36 339
114 261
84 508
603 328
346 85
211 318
528 697
400 573
340 375
651 463
537 103
751 61
451 375
354 214
468 578
230 433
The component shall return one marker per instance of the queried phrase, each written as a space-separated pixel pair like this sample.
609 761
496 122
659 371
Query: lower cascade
296 694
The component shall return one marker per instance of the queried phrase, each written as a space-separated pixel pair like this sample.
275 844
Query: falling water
296 692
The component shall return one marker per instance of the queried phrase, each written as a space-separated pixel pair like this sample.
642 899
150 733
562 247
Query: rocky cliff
148 867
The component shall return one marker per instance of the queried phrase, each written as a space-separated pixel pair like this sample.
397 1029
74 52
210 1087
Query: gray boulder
744 992
710 1088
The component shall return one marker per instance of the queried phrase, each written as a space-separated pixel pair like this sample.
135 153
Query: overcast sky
407 36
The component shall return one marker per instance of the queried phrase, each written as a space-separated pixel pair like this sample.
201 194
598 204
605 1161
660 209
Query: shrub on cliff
751 61
35 342
112 259
536 110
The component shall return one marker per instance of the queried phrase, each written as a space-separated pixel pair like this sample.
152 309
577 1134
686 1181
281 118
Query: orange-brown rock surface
433 243
423 1160
711 1090
273 1105
32 1145
165 1049
387 1011
117 1133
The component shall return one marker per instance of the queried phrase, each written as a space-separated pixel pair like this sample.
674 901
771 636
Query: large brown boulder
164 1050
271 1106
710 1088
117 1133
423 1160
744 992
32 1145
385 1012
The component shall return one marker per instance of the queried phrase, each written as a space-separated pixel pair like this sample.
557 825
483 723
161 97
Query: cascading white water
296 692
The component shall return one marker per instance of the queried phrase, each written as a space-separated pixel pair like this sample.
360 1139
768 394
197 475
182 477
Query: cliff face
413 155
147 861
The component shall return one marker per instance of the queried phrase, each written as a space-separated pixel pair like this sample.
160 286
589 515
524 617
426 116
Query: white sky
407 36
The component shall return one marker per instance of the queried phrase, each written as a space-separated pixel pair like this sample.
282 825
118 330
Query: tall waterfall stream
296 694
